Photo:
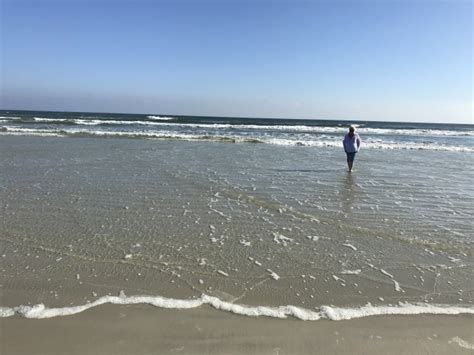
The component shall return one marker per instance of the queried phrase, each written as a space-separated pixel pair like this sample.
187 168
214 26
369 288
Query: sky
385 60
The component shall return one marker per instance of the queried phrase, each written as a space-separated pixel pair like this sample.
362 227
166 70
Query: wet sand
146 330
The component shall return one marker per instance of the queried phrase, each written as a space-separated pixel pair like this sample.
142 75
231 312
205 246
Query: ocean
290 132
257 217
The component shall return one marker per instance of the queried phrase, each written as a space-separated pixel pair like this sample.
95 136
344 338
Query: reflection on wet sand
349 192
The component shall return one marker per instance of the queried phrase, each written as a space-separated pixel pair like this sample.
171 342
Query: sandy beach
145 330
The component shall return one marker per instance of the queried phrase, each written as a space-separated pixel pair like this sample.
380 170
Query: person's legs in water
350 160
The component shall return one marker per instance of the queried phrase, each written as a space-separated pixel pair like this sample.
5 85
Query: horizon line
241 117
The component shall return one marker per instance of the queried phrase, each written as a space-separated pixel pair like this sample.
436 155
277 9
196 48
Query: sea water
177 216
316 133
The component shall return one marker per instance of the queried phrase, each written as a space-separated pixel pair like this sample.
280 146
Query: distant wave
160 118
40 311
308 141
126 134
96 122
92 117
10 118
45 119
85 122
286 128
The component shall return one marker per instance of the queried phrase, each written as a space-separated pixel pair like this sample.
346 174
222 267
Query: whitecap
160 118
210 136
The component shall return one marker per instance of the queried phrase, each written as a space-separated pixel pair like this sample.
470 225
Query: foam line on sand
40 311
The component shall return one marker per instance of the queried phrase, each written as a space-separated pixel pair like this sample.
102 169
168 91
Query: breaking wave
161 118
164 121
312 141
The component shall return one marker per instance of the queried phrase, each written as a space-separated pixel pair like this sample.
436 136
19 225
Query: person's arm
344 143
358 142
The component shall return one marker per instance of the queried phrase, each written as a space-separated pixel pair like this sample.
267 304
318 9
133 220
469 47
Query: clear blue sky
376 60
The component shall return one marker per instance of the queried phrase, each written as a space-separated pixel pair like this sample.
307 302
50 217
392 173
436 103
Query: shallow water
249 224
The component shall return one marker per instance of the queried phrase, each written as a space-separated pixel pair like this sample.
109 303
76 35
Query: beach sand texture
141 330
247 224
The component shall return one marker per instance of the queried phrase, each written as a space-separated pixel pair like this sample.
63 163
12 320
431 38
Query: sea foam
326 141
259 127
160 118
40 311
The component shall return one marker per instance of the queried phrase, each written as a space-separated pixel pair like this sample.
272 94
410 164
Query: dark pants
350 156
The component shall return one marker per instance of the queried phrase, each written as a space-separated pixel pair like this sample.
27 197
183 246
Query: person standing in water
351 145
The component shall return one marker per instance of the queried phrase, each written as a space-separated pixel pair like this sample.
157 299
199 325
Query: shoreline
40 311
138 329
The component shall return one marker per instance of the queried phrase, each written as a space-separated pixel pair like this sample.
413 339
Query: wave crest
323 141
160 118
165 122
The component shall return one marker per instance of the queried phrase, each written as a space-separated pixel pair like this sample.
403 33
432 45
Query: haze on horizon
361 60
